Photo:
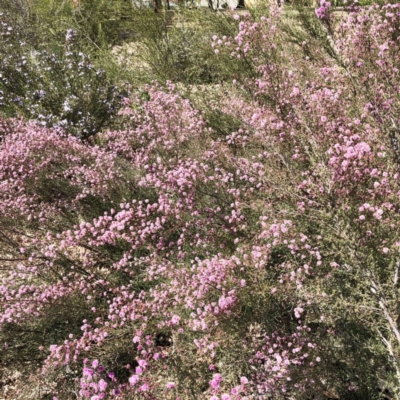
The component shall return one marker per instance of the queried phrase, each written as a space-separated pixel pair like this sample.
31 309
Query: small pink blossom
298 311
102 385
139 370
215 382
175 319
144 388
133 380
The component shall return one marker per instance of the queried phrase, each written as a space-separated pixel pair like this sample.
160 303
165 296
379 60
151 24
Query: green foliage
175 46
52 80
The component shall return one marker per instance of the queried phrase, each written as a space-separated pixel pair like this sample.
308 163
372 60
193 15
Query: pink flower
175 319
295 91
139 371
144 388
170 385
133 380
111 375
244 380
87 372
217 378
102 385
298 311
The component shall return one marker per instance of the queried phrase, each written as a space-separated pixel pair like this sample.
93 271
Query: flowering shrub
181 258
57 85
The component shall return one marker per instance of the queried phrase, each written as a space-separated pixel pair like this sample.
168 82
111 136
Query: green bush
49 77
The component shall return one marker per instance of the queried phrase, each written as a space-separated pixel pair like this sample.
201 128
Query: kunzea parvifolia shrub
170 260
